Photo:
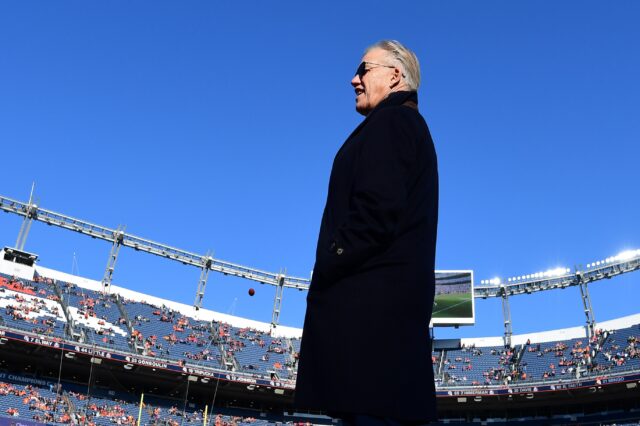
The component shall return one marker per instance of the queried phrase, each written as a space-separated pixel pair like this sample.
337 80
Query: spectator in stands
374 270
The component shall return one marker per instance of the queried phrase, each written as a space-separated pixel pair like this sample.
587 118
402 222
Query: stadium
182 153
80 351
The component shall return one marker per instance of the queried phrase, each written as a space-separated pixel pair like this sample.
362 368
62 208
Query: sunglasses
362 68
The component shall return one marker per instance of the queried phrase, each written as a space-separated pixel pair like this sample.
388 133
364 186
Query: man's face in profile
373 80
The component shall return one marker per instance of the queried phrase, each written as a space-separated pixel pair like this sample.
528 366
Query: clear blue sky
213 125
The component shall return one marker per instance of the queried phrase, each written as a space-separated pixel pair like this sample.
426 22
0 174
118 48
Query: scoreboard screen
454 302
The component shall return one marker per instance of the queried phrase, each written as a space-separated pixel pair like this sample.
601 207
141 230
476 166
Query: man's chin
362 109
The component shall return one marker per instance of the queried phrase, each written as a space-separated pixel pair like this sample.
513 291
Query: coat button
339 251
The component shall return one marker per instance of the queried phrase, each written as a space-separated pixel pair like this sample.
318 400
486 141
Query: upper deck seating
554 360
166 333
477 365
620 350
39 287
256 351
31 306
98 314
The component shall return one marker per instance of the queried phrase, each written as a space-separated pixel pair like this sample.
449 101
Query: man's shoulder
397 110
399 119
400 114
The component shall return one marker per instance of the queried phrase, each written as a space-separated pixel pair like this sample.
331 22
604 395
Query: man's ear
396 78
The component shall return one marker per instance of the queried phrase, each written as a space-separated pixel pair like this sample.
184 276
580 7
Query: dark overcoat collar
409 98
395 99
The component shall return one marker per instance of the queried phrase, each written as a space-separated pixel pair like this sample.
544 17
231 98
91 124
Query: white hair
404 57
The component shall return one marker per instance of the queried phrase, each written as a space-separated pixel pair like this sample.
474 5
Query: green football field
453 305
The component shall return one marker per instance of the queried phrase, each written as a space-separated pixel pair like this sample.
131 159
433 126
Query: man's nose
355 80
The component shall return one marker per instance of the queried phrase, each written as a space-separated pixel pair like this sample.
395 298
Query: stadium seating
476 366
553 360
33 403
98 315
39 403
620 350
31 306
257 351
165 333
137 327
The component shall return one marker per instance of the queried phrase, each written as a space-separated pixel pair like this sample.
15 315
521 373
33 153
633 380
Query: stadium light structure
559 277
506 313
551 273
30 211
145 245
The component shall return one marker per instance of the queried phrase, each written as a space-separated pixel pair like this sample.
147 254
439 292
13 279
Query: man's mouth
359 92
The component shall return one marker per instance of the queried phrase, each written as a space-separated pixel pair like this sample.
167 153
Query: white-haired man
366 350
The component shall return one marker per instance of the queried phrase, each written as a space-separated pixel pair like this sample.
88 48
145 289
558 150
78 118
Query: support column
588 310
118 236
26 223
202 282
506 312
277 301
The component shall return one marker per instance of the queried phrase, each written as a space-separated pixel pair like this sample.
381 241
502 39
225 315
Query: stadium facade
74 350
43 311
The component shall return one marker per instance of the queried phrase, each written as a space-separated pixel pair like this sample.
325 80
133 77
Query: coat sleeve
378 195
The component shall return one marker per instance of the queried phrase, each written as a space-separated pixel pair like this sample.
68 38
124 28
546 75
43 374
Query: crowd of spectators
182 331
113 410
566 358
38 287
39 408
89 303
34 311
16 285
452 289
247 337
619 353
77 408
200 341
503 369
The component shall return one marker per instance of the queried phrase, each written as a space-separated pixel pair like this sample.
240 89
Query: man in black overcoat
366 349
